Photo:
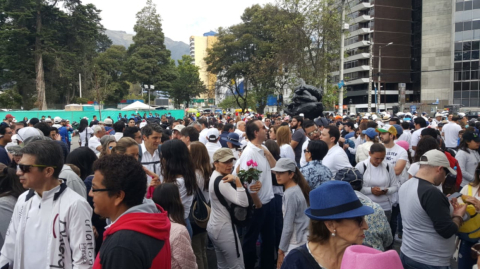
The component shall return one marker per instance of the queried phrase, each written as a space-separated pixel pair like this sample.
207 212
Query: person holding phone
379 179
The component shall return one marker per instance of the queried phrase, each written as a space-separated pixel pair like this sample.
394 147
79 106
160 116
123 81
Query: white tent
138 106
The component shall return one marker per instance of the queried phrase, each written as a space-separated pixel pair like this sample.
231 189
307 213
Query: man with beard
298 138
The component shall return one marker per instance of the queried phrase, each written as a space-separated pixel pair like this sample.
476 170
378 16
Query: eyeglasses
305 151
97 190
313 132
25 168
447 172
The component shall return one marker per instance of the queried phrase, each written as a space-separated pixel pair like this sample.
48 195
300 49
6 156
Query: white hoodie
69 239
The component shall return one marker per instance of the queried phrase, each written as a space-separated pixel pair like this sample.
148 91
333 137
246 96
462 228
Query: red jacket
453 162
156 228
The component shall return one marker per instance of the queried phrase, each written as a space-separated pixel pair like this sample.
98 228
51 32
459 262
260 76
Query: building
381 22
198 51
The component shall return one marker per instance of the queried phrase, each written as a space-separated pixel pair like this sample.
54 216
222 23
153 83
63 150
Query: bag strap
222 200
469 190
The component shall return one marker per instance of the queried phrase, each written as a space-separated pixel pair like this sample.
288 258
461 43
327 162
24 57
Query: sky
180 18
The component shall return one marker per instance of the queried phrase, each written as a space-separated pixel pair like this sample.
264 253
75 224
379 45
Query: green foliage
188 84
80 100
230 102
10 99
148 59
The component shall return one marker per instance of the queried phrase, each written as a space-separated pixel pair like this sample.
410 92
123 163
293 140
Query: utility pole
342 52
370 62
80 83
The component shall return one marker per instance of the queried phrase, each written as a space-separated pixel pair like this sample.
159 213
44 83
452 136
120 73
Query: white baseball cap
212 134
108 121
57 120
435 157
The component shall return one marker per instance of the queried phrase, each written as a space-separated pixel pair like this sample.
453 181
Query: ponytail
302 183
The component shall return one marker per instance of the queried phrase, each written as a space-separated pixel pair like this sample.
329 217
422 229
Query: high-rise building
198 51
381 22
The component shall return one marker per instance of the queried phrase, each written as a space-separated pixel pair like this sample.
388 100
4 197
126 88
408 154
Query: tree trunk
40 79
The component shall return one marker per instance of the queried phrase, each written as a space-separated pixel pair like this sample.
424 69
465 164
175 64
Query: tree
148 59
10 99
230 102
188 84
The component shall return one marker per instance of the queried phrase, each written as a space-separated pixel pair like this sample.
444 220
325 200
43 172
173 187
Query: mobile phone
454 195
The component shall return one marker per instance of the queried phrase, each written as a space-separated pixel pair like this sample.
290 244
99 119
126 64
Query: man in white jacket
51 224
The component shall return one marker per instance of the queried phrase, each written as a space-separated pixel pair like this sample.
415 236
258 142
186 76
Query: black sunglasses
25 168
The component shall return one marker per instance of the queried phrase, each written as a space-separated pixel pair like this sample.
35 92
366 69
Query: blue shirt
4 156
316 173
350 135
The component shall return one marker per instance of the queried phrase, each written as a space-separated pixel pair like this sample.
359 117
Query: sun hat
363 257
223 155
387 129
435 157
402 143
370 132
335 200
212 135
284 165
233 138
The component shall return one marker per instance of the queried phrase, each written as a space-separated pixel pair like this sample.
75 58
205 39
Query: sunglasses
358 220
25 168
447 172
305 151
313 132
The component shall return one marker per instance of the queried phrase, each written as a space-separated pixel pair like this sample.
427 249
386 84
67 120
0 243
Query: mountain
178 48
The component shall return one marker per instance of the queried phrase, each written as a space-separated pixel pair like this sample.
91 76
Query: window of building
468 5
458 26
465 86
466 55
474 88
475 54
476 4
459 6
467 26
457 86
465 102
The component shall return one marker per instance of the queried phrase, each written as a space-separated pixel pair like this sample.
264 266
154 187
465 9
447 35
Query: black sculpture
307 100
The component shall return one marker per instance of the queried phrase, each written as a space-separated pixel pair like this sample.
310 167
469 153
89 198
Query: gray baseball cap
284 165
435 157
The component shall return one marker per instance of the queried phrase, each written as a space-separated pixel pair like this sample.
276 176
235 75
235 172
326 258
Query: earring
334 231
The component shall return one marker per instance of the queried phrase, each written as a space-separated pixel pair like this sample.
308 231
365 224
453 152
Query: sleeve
121 258
289 153
437 208
291 207
414 139
7 253
462 158
361 169
298 136
411 170
393 186
81 234
357 153
238 196
182 252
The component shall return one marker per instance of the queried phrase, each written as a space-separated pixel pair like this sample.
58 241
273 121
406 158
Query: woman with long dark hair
84 133
468 157
167 196
177 167
203 171
295 202
10 189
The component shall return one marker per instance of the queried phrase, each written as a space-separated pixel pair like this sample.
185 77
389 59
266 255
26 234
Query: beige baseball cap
435 157
223 155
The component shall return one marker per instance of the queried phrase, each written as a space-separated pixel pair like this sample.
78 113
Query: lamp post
342 51
380 75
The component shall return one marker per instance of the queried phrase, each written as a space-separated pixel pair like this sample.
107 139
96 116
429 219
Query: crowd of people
262 191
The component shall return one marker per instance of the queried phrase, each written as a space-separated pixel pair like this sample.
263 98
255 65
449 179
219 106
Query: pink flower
254 164
249 162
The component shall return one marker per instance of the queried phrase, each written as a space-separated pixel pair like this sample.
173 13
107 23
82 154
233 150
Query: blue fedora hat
233 138
335 200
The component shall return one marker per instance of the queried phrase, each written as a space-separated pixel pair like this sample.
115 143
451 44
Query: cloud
180 18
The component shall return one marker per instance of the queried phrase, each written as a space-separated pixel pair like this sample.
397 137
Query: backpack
239 215
350 175
452 183
200 210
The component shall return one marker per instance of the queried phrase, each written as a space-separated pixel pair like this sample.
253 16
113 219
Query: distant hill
178 48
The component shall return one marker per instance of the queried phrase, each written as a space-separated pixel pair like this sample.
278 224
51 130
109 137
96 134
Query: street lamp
380 75
148 88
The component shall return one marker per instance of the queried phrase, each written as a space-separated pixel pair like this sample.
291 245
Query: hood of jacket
147 218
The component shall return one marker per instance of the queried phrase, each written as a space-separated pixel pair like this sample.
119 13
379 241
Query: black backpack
239 215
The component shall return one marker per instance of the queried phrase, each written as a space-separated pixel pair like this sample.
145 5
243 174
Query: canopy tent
138 106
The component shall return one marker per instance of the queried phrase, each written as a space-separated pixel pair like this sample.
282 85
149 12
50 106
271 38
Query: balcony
357 81
362 18
363 43
358 57
360 31
361 6
351 70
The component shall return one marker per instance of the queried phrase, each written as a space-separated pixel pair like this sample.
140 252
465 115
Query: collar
47 194
260 150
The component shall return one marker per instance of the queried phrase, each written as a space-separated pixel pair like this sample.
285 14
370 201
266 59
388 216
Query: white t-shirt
202 137
93 143
451 134
286 151
211 148
376 177
336 159
186 199
82 135
393 155
240 135
415 138
303 161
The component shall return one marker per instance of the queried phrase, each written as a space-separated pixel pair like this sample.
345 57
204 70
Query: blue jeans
411 264
262 223
465 260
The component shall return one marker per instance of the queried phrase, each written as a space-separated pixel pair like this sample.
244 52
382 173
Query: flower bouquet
251 174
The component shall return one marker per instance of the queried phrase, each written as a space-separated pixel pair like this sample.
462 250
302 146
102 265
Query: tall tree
188 84
149 60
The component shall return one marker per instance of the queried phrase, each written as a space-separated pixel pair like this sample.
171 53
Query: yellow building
198 51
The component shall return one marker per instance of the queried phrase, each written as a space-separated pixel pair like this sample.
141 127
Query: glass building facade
467 53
